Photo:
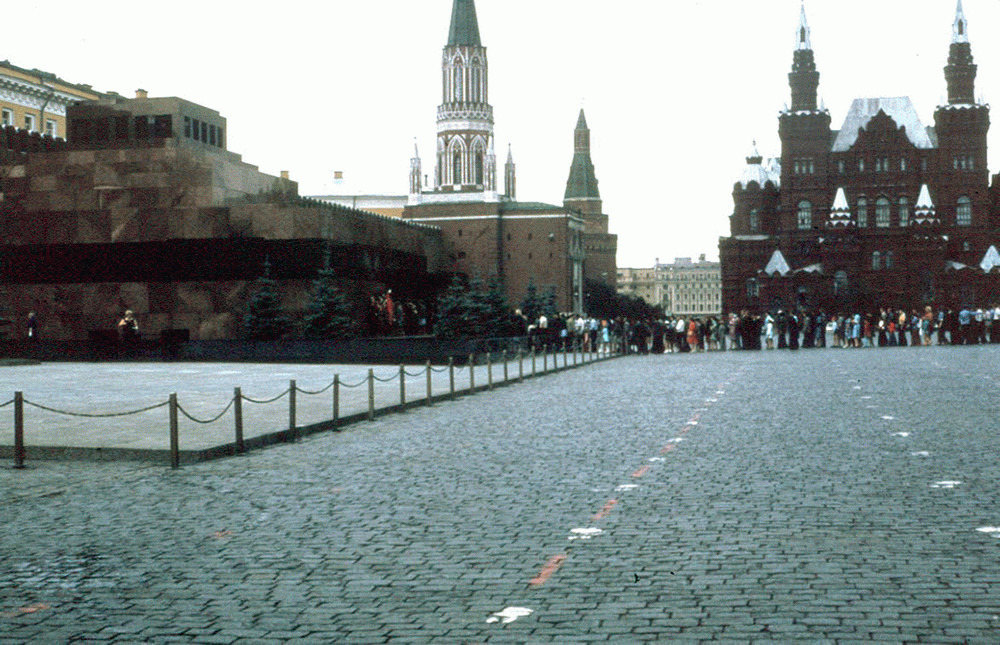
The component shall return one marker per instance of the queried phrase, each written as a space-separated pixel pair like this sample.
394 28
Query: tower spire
464 25
803 37
960 28
960 73
804 79
581 187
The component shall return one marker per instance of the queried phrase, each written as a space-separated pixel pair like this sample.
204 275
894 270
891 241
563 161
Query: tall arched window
840 283
753 289
963 215
479 167
889 260
862 212
904 212
876 261
882 208
459 73
805 215
456 168
476 81
754 220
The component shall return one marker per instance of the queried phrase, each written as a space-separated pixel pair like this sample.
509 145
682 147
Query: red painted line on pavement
550 567
667 448
642 471
604 511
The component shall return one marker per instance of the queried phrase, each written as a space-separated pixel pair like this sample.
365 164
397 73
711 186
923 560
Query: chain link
309 392
232 401
266 401
96 416
4 405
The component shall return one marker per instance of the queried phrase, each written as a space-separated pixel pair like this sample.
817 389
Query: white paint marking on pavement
901 434
920 453
657 459
585 534
627 487
856 387
886 417
866 397
946 484
509 615
990 530
720 391
676 440
711 400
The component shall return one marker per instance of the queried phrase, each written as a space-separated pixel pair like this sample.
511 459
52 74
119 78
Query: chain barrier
266 401
386 380
420 373
439 370
232 402
96 416
311 393
348 386
4 405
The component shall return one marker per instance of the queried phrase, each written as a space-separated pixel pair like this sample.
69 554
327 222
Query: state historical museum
884 212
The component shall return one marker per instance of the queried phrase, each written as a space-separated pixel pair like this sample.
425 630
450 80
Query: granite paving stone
740 497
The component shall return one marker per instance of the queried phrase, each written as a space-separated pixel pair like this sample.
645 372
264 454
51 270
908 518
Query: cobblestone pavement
823 496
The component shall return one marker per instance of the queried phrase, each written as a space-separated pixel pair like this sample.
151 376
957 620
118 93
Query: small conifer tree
265 319
329 314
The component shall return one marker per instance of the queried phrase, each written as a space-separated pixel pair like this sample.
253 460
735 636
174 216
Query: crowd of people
779 329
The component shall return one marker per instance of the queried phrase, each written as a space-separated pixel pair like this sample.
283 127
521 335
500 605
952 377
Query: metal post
430 388
336 398
505 366
545 359
489 370
18 429
238 414
371 394
532 362
565 357
291 410
402 387
576 349
451 375
472 374
175 453
520 365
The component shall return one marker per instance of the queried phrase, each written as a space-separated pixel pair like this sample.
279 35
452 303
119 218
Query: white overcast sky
674 90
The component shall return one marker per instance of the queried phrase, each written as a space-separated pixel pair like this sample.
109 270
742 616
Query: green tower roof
582 182
464 25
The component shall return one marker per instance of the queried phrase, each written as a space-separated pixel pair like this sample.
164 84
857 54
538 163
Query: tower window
876 261
882 212
862 212
904 212
479 168
753 288
805 215
889 262
456 169
861 165
840 283
8 117
963 215
754 220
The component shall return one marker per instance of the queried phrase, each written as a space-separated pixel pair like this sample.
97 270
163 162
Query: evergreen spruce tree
499 313
329 314
452 311
550 304
532 305
265 319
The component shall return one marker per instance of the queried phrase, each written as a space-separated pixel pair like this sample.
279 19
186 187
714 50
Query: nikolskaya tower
465 167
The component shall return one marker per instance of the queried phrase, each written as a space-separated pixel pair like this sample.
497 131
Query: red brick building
884 211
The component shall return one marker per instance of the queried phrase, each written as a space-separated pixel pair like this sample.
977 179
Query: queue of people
888 327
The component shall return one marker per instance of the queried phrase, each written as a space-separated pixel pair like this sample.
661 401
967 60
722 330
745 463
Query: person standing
32 326
128 327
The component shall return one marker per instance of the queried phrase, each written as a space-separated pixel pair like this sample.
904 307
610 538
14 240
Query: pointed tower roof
510 154
960 28
840 213
464 25
803 37
924 211
778 264
582 182
991 260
